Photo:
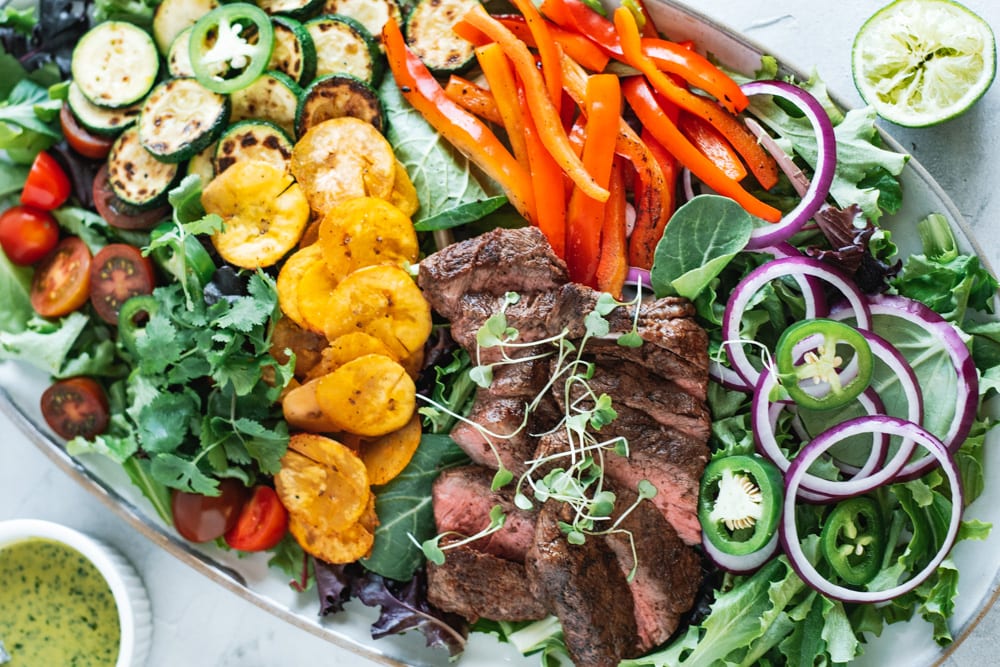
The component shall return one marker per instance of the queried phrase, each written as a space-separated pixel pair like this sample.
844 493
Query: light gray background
199 623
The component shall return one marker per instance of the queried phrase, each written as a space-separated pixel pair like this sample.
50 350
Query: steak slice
499 261
584 586
667 571
475 584
462 501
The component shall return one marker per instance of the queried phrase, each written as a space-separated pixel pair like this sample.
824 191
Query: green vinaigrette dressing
55 607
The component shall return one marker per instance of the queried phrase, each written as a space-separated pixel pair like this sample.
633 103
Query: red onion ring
814 300
822 443
740 564
826 160
637 276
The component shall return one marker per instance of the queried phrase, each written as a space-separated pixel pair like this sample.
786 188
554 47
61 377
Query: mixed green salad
192 386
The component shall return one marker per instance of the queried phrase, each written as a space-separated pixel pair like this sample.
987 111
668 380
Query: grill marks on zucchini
180 118
429 34
372 14
335 96
115 64
344 46
294 52
253 140
273 96
174 16
99 120
137 177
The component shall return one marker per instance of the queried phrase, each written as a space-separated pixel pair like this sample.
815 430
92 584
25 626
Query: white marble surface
199 623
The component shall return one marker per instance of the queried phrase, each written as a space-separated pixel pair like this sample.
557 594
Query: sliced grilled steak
584 586
668 572
462 502
500 261
478 585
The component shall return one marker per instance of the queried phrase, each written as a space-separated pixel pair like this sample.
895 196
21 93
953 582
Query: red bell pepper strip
712 145
543 112
575 45
464 131
585 216
613 264
642 100
548 182
473 98
548 50
648 230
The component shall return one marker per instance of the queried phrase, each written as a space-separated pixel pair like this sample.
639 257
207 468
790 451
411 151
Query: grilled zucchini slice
180 118
258 140
338 95
344 46
99 120
429 34
297 9
115 64
294 53
136 177
173 16
203 164
372 14
273 96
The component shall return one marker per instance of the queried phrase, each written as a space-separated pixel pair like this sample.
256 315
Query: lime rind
922 62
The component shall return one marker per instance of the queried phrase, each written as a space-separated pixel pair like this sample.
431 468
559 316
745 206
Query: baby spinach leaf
404 509
700 240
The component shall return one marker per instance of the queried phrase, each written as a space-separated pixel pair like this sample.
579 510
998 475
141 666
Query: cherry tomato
76 406
118 273
261 524
62 280
80 139
27 234
47 186
119 214
201 518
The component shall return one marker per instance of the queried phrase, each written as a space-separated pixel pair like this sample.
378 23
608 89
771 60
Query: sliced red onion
687 184
814 298
826 160
740 564
637 276
795 175
822 443
764 418
967 385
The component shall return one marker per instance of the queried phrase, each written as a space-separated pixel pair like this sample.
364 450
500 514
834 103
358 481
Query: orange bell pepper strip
500 77
585 216
648 230
548 50
643 102
473 98
543 112
612 267
464 131
653 192
548 182
712 145
575 45
697 70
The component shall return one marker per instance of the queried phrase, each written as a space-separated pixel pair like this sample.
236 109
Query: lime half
921 62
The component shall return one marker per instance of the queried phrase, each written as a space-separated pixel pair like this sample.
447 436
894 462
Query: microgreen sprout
434 551
574 474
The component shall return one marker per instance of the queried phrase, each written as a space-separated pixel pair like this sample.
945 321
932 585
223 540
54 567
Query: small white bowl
129 593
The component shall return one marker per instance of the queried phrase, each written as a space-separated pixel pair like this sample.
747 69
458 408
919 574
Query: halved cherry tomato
201 518
261 524
76 406
27 234
80 139
119 214
62 281
118 273
47 186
